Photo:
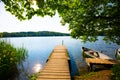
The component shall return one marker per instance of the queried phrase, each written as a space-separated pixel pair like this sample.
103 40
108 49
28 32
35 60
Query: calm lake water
39 49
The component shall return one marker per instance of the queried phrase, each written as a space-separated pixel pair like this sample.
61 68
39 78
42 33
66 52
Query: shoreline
101 74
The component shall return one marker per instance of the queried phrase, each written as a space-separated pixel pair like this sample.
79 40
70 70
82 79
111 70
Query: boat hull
86 56
118 54
89 53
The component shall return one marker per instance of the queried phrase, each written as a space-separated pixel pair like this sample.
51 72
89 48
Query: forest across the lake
36 34
31 34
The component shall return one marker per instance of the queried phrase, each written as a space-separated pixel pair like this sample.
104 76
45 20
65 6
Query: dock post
90 67
62 42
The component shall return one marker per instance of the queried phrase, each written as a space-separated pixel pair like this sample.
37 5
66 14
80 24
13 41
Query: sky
9 23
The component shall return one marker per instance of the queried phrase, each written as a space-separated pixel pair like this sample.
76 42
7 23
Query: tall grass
116 72
10 58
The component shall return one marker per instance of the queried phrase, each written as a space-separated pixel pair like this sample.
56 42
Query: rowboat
117 55
89 53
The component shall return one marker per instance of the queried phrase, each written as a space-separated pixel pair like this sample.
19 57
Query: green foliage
85 17
86 76
91 18
33 76
10 58
0 34
116 71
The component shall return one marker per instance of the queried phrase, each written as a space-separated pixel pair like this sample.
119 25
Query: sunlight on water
37 68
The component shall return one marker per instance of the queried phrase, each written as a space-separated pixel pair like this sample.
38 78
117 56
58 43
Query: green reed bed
116 72
10 58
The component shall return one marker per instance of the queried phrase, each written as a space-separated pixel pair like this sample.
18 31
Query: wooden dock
57 66
97 61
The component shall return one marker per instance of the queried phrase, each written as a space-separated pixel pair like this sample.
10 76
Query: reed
116 72
10 58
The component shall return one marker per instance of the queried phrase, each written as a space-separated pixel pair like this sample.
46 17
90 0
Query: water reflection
37 68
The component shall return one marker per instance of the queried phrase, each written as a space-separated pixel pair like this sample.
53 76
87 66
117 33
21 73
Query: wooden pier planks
100 61
97 61
57 66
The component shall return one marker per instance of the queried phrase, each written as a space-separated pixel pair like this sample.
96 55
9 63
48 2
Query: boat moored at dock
89 53
117 55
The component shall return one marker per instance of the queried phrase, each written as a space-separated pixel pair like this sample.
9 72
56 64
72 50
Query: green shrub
116 71
33 76
10 58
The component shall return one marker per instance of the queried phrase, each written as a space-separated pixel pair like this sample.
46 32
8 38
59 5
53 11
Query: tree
0 35
86 18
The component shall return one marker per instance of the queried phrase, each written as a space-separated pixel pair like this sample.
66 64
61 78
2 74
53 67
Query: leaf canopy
86 18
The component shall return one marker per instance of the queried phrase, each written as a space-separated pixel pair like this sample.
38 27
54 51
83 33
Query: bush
10 58
116 71
33 76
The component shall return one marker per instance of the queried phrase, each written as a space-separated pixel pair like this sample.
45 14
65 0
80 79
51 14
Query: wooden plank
100 61
54 76
58 74
53 79
57 66
55 71
97 61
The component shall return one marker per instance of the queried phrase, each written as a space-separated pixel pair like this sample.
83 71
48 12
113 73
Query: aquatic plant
116 72
33 76
10 58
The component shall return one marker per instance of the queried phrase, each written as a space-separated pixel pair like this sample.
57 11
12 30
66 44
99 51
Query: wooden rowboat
89 53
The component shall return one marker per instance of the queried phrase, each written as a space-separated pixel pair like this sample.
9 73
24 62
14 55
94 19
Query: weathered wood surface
97 61
100 61
57 66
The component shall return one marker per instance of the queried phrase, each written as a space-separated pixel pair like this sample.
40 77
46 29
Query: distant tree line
30 34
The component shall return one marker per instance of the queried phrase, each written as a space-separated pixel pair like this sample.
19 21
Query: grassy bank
99 75
112 73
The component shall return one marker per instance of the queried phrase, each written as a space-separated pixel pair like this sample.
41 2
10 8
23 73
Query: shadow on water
73 67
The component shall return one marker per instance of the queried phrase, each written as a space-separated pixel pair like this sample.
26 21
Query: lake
39 49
